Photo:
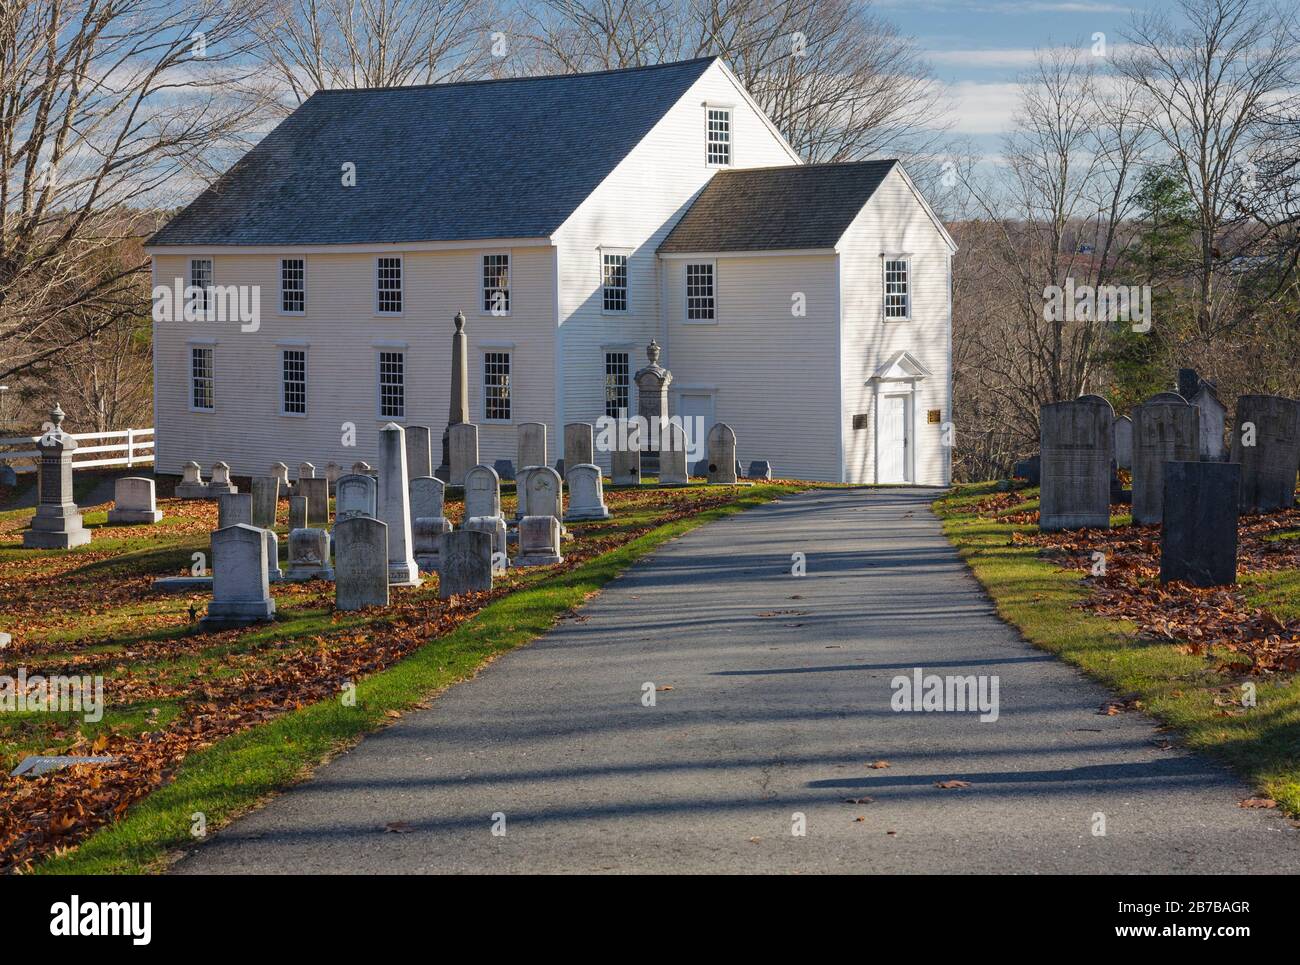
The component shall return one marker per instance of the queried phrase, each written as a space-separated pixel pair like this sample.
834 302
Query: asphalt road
780 697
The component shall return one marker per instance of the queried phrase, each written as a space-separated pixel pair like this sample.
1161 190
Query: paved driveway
780 697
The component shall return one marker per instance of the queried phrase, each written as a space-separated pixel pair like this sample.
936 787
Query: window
293 366
699 292
719 138
293 285
201 378
388 285
614 280
617 384
897 302
496 284
392 385
496 386
201 278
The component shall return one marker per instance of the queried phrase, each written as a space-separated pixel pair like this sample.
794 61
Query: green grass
240 771
1262 744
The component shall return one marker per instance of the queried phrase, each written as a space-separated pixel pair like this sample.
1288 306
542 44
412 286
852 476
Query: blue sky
978 47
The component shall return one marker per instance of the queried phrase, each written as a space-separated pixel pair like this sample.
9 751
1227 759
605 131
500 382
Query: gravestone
465 562
539 541
521 492
505 469
240 583
722 455
361 570
532 444
1029 470
394 506
273 571
458 402
1214 423
297 512
761 469
1268 468
652 384
133 502
306 471
672 459
482 491
281 472
362 469
317 491
419 452
494 526
1198 540
1162 432
332 472
192 485
234 508
578 449
57 523
309 555
1123 433
559 467
266 497
627 467
462 444
428 495
1188 383
1170 398
356 495
221 480
545 492
586 494
427 520
1076 446
8 477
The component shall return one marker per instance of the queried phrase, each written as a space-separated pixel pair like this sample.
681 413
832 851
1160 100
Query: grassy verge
1183 691
238 772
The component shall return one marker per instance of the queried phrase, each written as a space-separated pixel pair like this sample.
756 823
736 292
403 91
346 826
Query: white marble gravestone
57 523
221 480
1214 423
1123 433
234 508
427 496
240 582
395 506
192 485
465 562
133 502
419 451
539 541
586 493
462 444
361 562
545 493
482 492
309 555
722 455
356 495
281 472
427 520
494 526
531 444
672 457
273 572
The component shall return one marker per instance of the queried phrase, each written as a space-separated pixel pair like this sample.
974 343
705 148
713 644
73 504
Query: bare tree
839 82
1209 81
313 45
107 107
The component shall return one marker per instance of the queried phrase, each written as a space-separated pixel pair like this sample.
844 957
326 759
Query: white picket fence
135 448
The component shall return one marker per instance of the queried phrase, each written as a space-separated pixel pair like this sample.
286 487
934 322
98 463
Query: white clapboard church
572 219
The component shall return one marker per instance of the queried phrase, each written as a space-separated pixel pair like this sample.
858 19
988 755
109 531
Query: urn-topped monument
652 405
57 523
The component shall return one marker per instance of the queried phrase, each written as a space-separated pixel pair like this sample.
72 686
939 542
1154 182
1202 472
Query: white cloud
976 109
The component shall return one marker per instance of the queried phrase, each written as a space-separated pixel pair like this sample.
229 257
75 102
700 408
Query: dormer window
718 150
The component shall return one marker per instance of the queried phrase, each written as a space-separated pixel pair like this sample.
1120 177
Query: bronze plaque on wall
859 422
933 416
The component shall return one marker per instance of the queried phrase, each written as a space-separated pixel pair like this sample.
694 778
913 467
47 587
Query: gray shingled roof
791 207
444 162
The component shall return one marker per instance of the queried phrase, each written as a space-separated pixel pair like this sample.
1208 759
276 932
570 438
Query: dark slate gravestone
760 469
1198 542
1077 445
1188 383
505 469
1267 444
1028 470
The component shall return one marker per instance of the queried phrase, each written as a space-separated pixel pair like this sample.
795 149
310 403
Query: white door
696 412
893 439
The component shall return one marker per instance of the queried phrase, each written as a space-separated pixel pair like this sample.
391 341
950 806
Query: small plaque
933 416
859 422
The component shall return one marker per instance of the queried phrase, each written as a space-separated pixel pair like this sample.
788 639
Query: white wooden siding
894 222
343 336
634 209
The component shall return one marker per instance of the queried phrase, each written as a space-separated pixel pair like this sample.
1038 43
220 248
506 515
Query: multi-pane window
496 386
617 384
293 285
201 278
719 141
293 366
201 377
496 284
388 285
699 292
614 280
896 296
392 385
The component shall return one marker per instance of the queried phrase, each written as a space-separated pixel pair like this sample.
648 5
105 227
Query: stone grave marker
281 472
1076 446
586 494
57 523
357 495
240 583
317 491
1162 432
1123 431
361 570
760 469
1198 539
1268 467
233 508
221 480
273 572
297 512
672 459
395 506
722 455
419 451
1214 423
309 555
494 526
465 562
133 502
539 541
462 445
505 469
532 444
482 492
578 449
266 497
192 485
627 467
